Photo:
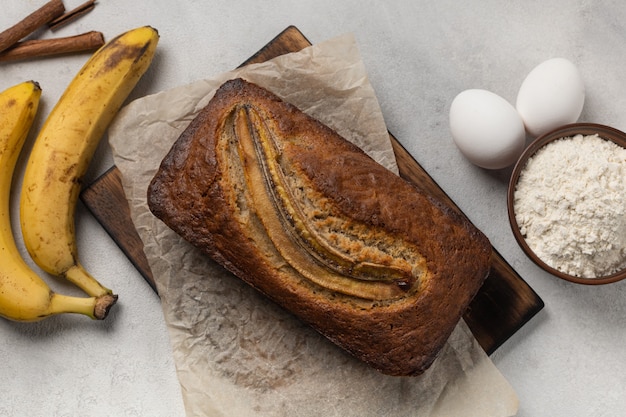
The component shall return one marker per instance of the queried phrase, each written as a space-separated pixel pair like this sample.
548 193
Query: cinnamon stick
26 26
72 15
88 41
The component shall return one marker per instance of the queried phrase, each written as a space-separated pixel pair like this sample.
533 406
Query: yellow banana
65 146
24 296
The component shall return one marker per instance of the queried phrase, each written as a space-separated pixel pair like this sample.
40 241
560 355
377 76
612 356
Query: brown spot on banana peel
120 53
69 174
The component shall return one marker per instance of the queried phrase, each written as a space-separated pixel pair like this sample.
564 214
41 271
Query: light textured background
568 361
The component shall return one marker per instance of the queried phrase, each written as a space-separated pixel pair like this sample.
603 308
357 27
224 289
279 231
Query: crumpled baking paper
237 353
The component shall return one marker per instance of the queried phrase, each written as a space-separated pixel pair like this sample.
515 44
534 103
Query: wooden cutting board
503 305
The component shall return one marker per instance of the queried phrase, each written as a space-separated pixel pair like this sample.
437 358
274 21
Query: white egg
551 95
486 128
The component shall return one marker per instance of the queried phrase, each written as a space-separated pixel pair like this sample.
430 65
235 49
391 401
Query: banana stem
80 277
95 307
103 306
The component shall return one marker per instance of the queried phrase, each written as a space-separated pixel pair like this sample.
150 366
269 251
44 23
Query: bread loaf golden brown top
311 221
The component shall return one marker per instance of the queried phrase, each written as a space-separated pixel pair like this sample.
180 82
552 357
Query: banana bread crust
198 192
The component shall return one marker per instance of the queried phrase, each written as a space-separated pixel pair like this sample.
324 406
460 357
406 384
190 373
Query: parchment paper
238 354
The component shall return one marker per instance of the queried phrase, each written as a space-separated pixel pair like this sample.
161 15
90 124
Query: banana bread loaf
307 218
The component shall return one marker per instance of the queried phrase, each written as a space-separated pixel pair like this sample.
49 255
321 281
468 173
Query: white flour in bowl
570 205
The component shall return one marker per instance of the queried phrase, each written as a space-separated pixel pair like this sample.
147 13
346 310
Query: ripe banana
24 296
65 146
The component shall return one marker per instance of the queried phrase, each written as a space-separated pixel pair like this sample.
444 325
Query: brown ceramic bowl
604 132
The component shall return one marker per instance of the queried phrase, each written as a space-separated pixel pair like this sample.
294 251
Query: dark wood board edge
491 320
107 202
